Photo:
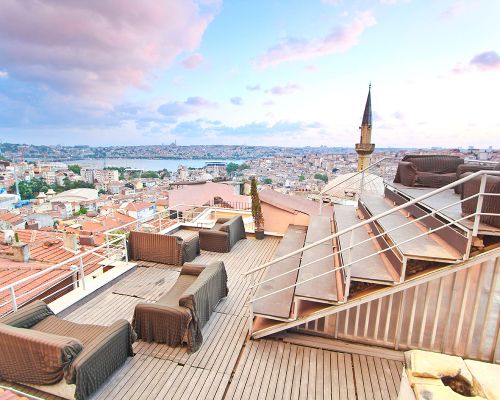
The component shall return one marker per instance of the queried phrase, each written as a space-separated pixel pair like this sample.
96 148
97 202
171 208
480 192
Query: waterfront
145 164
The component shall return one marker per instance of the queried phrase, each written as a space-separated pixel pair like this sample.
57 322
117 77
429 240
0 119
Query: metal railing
346 267
62 277
358 187
56 280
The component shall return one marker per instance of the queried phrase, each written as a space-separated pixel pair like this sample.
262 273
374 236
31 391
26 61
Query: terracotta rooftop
293 203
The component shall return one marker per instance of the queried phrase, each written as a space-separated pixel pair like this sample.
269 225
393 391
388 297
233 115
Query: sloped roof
293 203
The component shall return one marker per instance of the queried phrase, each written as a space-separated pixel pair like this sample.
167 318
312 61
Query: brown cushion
57 326
171 298
30 356
192 269
28 315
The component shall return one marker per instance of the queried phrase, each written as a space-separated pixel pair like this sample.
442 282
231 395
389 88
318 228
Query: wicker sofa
491 204
432 171
60 357
464 169
178 316
165 249
223 235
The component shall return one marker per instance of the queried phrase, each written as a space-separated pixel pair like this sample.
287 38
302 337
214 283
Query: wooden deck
228 365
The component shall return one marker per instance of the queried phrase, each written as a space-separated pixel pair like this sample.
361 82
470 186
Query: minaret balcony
365 148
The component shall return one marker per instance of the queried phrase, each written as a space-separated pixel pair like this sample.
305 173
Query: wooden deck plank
267 368
372 268
423 246
279 304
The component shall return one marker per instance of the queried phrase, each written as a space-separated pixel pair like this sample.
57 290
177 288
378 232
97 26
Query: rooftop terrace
228 365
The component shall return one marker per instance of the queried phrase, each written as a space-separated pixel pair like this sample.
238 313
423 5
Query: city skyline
273 74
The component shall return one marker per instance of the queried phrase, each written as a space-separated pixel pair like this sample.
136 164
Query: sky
263 72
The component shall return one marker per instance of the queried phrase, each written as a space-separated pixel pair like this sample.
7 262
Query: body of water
144 164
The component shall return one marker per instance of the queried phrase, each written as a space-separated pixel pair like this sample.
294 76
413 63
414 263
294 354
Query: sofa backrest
29 356
155 247
438 164
203 295
28 315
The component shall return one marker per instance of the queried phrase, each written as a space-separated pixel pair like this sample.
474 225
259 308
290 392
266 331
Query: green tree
301 178
75 168
243 166
267 181
231 168
150 174
30 189
322 177
258 218
81 211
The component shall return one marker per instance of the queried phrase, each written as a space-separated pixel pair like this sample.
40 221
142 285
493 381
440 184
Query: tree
75 168
258 218
322 177
267 181
30 189
81 211
301 178
231 168
150 174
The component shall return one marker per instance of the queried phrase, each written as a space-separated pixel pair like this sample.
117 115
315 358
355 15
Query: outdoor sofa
165 249
180 314
433 171
60 357
491 204
465 169
223 235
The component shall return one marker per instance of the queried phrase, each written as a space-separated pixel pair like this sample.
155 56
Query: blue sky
291 73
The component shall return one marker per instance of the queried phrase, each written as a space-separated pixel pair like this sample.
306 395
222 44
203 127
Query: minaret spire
365 147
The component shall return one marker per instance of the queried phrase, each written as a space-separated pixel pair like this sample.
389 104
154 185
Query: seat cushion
171 298
57 326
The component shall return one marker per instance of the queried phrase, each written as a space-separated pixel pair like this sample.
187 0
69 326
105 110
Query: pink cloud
193 61
485 61
289 88
454 9
339 40
96 48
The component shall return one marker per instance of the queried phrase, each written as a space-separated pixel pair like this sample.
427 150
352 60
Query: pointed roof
367 115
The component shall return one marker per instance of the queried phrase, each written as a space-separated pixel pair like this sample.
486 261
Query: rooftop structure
365 146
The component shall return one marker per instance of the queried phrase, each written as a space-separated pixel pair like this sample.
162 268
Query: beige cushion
427 364
434 392
486 378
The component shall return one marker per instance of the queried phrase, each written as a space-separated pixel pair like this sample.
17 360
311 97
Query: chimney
70 241
21 252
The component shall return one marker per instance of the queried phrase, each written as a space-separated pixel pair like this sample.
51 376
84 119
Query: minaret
365 146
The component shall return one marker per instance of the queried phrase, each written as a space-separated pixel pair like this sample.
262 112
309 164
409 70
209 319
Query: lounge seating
432 171
491 204
37 348
178 316
165 249
463 169
223 236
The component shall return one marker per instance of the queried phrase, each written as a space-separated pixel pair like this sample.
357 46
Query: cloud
339 40
289 88
237 101
253 88
191 106
97 48
193 61
486 61
454 9
3 74
311 68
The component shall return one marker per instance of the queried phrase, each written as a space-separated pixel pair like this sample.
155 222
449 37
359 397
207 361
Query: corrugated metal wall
458 314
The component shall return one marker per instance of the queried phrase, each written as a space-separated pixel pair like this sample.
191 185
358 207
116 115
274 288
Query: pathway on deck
263 369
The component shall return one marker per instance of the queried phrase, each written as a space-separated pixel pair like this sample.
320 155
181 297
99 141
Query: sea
145 164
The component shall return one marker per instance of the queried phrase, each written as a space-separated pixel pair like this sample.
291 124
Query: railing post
125 247
82 273
13 298
479 206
